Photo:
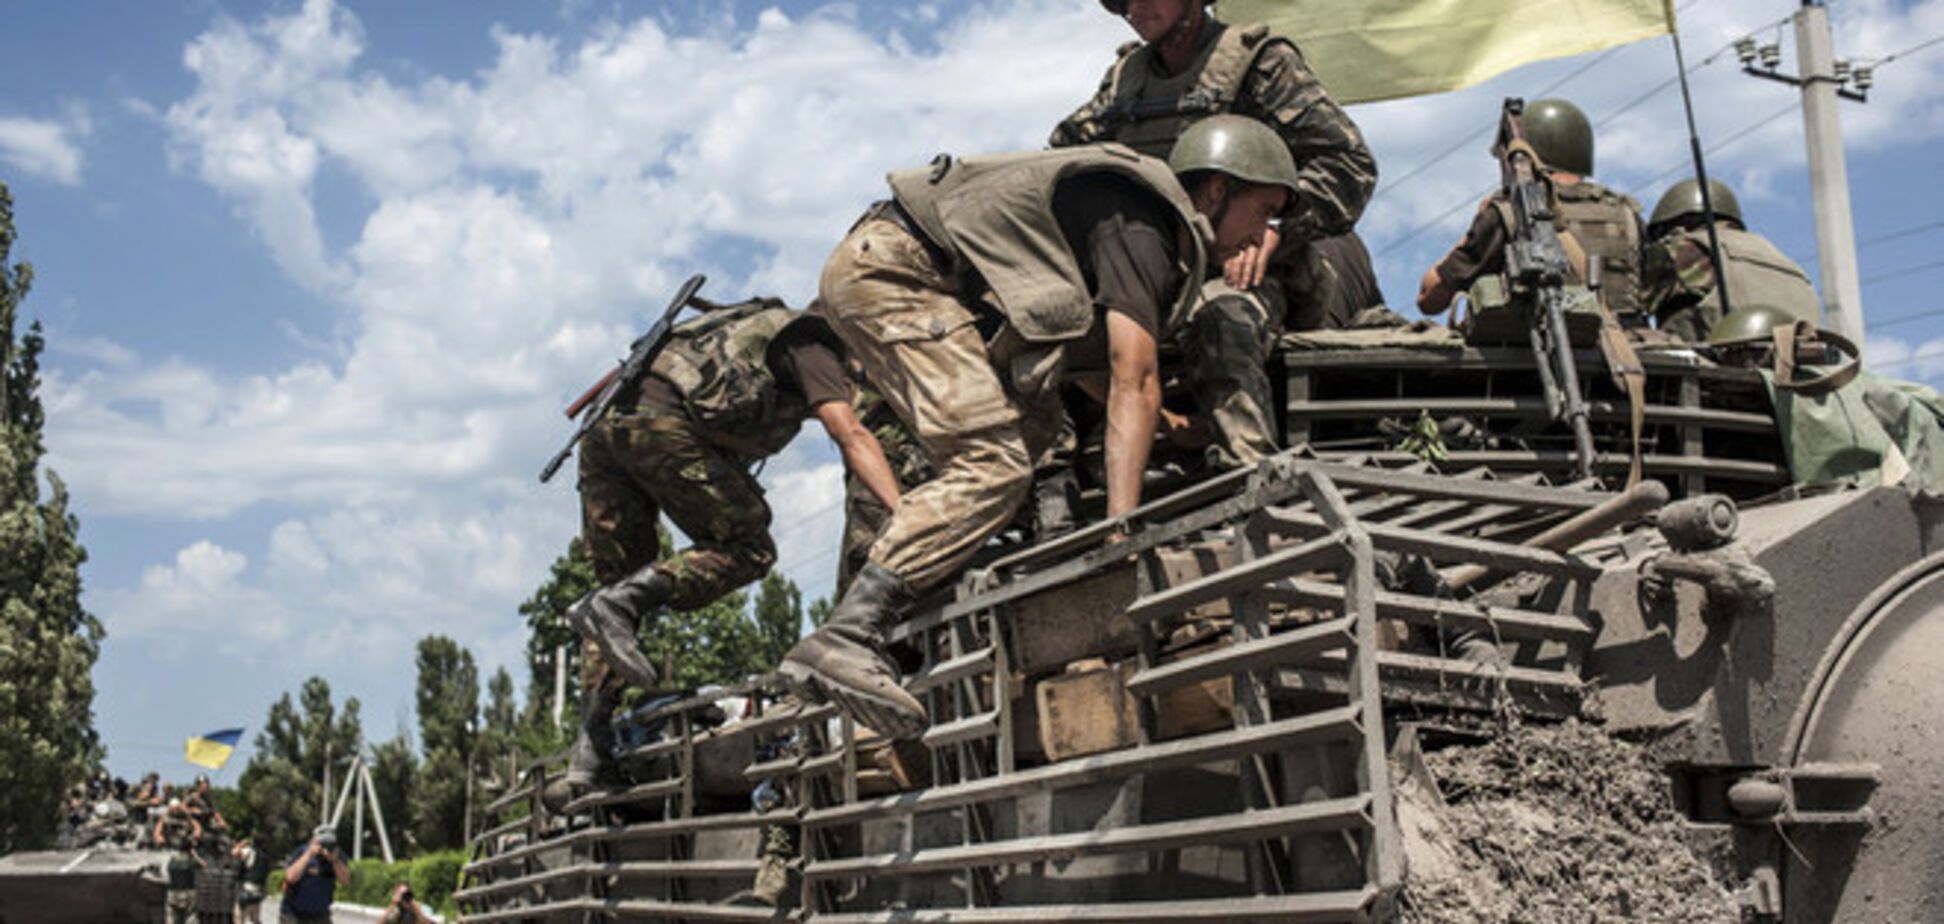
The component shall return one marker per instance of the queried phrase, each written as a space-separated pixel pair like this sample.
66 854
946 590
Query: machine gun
1535 259
596 400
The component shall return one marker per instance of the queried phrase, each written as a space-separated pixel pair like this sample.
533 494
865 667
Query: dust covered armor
1238 146
1560 135
1684 199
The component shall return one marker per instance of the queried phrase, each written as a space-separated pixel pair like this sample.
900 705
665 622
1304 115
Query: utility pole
1822 79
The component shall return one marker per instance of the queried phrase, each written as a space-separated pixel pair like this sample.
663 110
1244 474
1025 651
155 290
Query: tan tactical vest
1607 226
1597 222
1151 110
719 364
994 215
1759 274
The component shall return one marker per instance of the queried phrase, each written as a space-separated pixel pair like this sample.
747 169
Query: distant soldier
1679 271
1601 222
730 389
178 832
1187 67
967 296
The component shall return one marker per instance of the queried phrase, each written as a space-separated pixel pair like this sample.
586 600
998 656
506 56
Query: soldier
964 297
1187 67
1346 285
864 514
178 832
730 389
1602 222
1678 268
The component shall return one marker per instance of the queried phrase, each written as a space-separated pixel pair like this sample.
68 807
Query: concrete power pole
1828 173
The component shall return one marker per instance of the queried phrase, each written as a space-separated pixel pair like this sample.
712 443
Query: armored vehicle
1206 720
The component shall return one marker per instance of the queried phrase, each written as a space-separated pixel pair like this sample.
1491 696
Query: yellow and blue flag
212 750
1367 50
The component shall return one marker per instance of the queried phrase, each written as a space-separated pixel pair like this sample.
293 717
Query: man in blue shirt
311 878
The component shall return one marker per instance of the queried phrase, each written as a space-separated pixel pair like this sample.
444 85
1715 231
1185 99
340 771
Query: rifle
1535 259
596 401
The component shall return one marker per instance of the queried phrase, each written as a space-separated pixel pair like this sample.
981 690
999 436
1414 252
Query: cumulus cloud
47 148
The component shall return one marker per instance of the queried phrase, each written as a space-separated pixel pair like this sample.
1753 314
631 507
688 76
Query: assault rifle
596 400
1535 260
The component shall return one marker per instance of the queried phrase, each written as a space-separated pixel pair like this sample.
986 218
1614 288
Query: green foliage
820 612
48 643
779 619
448 712
394 779
571 578
433 877
1424 440
281 788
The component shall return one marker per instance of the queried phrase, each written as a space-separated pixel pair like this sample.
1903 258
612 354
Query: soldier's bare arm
1133 405
1335 168
863 456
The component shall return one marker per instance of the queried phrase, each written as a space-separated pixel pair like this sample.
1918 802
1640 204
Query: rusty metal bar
1533 408
1334 724
1431 611
1635 502
1307 908
1333 814
1243 576
1503 555
1255 654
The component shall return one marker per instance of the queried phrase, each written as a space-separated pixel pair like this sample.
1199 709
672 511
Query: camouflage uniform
1246 71
887 295
1678 279
642 462
864 514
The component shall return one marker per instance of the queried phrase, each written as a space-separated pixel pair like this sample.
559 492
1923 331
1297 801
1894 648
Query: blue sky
317 276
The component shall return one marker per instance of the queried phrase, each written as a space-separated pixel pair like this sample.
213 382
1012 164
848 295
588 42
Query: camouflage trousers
1225 342
920 348
642 462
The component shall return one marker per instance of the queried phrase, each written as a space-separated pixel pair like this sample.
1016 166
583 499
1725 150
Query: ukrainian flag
212 750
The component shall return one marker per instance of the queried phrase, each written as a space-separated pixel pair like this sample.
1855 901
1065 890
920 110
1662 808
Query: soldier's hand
1246 269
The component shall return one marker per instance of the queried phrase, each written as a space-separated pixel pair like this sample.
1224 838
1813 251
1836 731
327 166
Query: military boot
1054 498
590 765
844 662
609 617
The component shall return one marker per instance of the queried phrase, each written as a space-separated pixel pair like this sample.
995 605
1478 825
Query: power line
1916 357
1719 145
1893 322
1906 271
1920 46
1434 222
1897 235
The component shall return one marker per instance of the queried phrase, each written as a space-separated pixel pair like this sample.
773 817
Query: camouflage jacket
1335 169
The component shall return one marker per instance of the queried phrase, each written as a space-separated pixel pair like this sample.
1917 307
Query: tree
779 619
571 578
499 736
394 776
448 712
48 643
820 609
282 788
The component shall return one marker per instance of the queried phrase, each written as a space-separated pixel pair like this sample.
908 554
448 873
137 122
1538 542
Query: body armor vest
1607 226
719 364
994 215
1150 110
1757 273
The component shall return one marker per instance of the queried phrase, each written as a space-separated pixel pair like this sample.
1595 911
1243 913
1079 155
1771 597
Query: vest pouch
940 377
1031 370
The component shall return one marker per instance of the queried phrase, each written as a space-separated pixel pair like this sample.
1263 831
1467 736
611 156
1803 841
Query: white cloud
513 226
49 148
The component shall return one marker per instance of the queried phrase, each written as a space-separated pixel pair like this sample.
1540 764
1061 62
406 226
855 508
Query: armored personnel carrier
1211 720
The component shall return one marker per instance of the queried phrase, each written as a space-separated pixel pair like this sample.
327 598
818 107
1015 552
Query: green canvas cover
1871 430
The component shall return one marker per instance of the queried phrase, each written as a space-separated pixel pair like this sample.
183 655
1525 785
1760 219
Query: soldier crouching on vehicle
1679 275
1601 222
729 389
1188 67
965 295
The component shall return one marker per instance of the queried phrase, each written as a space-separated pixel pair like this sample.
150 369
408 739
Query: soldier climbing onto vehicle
730 389
965 295
1678 270
1187 67
1600 222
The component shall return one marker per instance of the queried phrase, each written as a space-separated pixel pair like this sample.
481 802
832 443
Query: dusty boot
591 764
1054 498
609 617
844 662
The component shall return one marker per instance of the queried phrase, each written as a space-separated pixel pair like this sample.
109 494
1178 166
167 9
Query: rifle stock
593 405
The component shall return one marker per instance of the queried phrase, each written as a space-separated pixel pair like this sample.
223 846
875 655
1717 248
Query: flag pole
1700 163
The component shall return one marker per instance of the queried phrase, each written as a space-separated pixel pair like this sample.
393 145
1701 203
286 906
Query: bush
433 876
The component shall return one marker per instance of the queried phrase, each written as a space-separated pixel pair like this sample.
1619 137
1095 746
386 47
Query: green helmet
1684 199
1239 146
1560 135
1748 324
1119 7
